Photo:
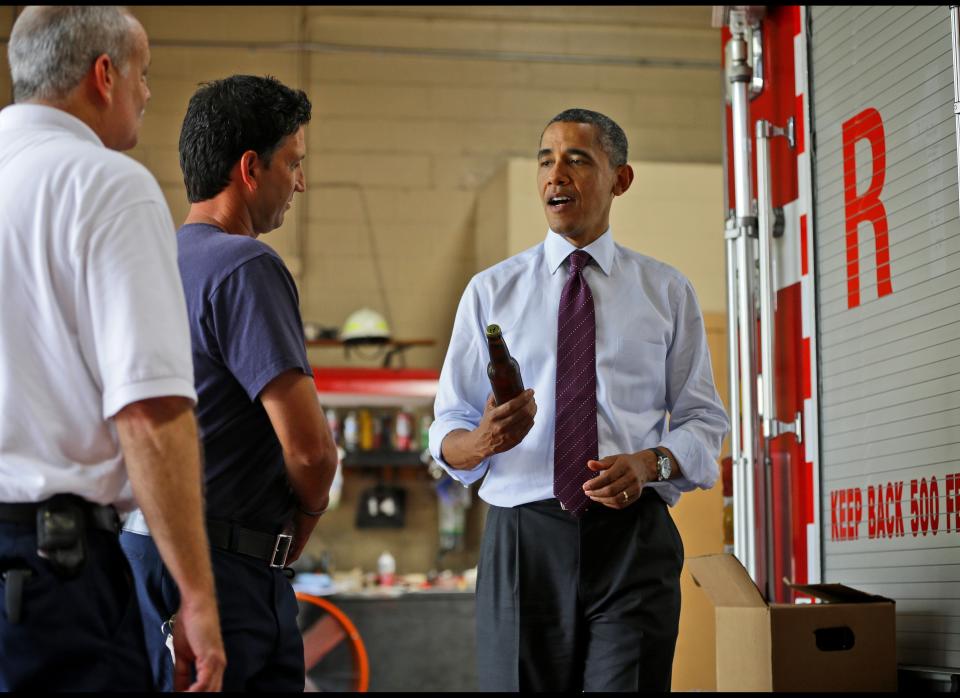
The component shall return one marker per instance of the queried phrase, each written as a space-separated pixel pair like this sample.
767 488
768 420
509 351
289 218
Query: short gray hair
52 47
613 140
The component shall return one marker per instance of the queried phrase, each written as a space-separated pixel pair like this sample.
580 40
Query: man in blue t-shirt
269 455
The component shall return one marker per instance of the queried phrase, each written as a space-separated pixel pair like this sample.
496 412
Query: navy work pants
258 618
82 634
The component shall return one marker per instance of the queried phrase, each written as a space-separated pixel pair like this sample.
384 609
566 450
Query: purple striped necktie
575 431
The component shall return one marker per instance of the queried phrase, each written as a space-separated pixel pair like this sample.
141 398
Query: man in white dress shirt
96 381
579 571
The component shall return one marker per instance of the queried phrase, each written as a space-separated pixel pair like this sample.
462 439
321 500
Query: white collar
557 248
34 116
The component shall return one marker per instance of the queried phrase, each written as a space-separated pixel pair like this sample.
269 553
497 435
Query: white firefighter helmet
365 326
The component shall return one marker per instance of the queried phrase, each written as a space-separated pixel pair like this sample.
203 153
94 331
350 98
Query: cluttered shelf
383 459
398 343
358 585
375 387
383 349
379 416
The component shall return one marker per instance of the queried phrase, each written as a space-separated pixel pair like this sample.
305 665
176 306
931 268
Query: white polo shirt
92 313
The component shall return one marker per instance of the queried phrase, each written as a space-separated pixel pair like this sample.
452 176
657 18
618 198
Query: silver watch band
661 457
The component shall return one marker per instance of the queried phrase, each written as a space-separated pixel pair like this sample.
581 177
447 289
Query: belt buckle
283 542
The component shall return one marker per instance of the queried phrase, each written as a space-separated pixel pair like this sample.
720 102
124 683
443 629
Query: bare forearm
161 450
309 453
461 450
303 525
501 428
311 477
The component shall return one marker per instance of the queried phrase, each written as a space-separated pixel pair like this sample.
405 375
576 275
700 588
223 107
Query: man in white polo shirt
96 380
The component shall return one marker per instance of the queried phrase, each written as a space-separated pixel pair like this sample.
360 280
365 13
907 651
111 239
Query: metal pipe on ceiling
463 54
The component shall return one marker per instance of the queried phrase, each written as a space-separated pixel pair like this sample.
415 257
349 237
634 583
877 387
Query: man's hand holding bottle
503 426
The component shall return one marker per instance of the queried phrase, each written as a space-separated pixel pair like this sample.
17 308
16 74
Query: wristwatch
664 465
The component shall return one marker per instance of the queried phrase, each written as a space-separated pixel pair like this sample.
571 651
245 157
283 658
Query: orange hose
358 649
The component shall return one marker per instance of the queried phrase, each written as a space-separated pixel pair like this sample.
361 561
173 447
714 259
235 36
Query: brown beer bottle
503 370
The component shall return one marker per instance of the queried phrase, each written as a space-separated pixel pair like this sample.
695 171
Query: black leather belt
234 538
100 516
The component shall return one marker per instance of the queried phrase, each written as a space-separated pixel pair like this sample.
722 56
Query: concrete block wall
7 16
672 212
418 114
415 109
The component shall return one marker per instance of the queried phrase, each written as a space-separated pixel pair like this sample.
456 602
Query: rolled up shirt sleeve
698 421
463 388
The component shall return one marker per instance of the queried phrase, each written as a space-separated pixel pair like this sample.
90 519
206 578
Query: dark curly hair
228 117
612 138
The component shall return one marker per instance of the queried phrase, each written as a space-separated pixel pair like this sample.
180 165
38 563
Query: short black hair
226 118
613 140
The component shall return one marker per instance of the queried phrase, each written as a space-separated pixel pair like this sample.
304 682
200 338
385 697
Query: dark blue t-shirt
245 330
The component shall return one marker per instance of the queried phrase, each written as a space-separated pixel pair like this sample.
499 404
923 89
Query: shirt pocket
639 376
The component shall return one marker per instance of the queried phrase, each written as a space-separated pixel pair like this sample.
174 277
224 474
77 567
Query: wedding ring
626 497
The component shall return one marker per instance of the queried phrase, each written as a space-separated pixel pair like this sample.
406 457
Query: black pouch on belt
61 539
13 580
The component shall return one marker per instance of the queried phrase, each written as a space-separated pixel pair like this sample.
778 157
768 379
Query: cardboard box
847 643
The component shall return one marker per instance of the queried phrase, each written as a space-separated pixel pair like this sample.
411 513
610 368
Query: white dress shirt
93 316
653 366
